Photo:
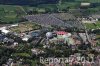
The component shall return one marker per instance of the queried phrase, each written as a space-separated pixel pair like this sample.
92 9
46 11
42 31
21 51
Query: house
61 32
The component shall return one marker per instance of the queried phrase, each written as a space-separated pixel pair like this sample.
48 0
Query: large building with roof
58 19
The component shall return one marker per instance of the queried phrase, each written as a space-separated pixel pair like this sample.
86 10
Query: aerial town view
49 32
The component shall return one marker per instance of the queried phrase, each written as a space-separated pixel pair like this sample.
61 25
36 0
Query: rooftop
61 32
58 19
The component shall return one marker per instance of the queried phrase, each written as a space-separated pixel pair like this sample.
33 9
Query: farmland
10 14
23 27
38 2
14 13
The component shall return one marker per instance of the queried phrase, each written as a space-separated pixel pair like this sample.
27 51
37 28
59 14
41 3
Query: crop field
9 13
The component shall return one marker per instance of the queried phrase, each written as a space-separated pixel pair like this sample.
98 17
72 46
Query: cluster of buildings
47 38
10 38
74 40
62 37
5 39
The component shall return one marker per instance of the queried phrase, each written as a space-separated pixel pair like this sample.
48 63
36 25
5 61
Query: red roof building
61 32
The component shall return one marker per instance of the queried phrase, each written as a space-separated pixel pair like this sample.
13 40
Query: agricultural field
10 14
23 27
52 7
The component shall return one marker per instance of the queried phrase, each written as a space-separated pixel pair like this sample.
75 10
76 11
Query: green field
10 14
91 1
92 26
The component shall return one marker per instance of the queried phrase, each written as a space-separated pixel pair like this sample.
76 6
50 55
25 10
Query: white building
26 37
4 30
85 4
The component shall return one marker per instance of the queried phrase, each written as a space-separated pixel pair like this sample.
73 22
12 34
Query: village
30 40
50 33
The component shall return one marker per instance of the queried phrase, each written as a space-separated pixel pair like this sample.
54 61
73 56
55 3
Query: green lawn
9 13
92 26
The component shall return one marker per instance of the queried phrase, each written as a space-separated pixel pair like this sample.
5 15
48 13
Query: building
4 30
37 51
62 38
56 19
35 33
85 4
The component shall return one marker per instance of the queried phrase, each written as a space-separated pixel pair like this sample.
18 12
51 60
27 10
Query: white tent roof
5 31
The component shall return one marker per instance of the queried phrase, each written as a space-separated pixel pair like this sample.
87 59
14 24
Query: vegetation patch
23 27
92 26
10 14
